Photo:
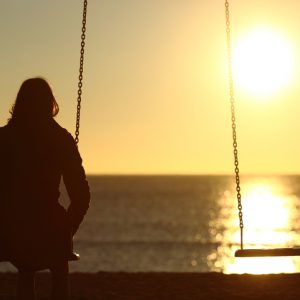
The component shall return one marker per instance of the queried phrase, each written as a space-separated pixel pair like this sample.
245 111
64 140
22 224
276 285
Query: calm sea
186 224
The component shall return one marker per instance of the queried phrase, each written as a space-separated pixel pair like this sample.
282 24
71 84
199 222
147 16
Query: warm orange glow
262 265
269 216
266 216
263 62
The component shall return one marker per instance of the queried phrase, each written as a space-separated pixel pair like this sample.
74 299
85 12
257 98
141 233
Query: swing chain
80 77
233 122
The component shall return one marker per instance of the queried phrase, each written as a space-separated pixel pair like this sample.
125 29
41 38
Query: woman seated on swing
35 152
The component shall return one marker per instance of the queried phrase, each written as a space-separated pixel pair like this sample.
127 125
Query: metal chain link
233 122
80 77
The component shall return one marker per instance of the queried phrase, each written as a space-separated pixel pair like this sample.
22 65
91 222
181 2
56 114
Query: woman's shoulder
4 130
6 136
61 131
63 137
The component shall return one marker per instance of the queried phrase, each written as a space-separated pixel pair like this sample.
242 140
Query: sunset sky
155 97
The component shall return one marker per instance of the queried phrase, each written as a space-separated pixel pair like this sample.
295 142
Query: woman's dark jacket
34 227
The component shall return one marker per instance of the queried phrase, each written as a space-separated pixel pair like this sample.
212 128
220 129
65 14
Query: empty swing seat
268 252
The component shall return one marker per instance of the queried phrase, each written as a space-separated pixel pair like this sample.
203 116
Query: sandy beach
166 286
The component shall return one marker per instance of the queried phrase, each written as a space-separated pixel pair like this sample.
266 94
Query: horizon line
194 174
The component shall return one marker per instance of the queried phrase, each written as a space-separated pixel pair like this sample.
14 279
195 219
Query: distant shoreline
166 286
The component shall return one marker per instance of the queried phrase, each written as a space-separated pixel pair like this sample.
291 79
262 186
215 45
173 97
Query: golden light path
270 215
263 62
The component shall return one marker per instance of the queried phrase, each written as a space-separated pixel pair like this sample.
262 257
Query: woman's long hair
35 102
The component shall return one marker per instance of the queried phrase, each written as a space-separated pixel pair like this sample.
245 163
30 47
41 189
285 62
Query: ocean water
186 224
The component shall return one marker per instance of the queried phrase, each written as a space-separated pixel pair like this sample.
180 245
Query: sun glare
268 221
263 63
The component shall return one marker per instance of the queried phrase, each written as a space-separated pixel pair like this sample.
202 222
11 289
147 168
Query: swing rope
73 255
295 251
233 121
80 77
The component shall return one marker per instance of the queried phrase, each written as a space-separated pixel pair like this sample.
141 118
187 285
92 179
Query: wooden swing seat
268 252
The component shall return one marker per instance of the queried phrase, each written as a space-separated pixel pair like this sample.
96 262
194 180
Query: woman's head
35 102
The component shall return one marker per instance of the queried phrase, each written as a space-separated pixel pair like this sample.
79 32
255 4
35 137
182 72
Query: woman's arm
76 184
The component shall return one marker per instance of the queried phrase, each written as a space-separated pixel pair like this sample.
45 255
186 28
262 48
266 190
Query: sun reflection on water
269 214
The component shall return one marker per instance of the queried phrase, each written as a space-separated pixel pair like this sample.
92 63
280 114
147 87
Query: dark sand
166 286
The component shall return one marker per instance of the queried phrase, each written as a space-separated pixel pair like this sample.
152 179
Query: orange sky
155 87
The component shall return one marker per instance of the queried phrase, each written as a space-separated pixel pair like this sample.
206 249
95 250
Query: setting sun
263 62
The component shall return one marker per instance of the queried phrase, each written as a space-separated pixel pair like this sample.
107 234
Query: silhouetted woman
35 152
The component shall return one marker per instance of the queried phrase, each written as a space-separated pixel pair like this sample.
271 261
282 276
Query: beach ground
165 286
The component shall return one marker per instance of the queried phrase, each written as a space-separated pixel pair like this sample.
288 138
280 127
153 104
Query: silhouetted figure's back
35 153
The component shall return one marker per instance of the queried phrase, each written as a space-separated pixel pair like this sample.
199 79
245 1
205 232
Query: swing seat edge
262 252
